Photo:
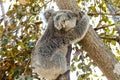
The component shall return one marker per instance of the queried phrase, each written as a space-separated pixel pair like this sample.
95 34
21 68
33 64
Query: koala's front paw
65 21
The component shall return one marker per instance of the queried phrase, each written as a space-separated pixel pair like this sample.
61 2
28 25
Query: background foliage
21 26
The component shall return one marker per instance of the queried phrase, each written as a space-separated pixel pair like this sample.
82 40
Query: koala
64 27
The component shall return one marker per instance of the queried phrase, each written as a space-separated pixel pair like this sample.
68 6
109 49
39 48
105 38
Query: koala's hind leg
63 76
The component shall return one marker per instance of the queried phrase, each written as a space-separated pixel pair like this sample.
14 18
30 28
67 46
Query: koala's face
65 21
69 24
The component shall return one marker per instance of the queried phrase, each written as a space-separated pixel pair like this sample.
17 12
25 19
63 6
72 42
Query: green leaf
95 75
79 66
73 68
113 42
1 28
16 71
5 41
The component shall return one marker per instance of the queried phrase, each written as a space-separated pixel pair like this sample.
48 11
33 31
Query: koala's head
47 14
66 20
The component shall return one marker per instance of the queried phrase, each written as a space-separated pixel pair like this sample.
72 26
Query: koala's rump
56 64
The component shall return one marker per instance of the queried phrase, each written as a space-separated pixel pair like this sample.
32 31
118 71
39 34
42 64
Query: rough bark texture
91 43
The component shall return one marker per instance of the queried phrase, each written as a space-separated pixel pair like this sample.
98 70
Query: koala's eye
58 17
49 12
64 20
69 16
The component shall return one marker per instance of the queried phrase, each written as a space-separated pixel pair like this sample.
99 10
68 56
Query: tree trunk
91 43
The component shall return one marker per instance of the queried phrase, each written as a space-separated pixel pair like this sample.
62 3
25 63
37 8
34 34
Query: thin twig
3 12
2 7
106 26
28 62
111 38
112 14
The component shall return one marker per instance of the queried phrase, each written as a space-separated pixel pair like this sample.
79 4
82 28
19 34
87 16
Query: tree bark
91 43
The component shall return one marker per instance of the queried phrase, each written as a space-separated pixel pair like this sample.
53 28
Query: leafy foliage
19 30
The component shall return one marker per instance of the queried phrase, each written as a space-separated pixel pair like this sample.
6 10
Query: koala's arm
79 31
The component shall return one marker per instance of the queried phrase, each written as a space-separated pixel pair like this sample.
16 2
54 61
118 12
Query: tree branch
111 14
104 26
111 38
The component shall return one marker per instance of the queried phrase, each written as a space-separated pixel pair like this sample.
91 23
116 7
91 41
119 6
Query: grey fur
48 57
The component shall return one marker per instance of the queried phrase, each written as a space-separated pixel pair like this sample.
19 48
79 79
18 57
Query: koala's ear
48 13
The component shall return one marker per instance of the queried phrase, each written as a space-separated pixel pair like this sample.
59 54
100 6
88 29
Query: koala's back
49 54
